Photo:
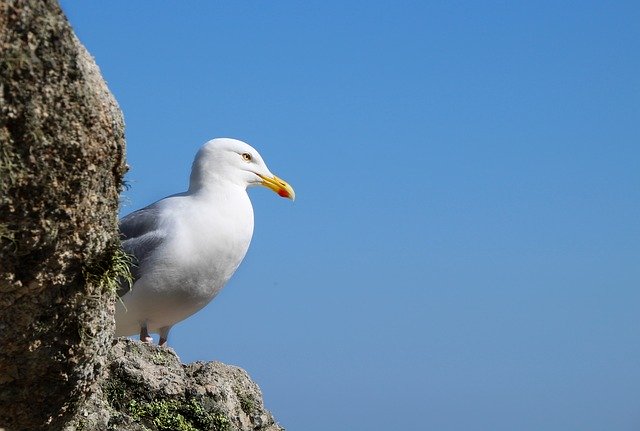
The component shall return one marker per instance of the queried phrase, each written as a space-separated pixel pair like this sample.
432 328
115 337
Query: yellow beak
279 186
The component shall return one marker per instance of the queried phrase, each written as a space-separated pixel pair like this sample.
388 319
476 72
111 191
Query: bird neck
218 189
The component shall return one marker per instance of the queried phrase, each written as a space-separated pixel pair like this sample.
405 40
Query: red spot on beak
283 193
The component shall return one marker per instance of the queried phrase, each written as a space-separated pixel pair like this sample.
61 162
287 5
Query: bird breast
208 245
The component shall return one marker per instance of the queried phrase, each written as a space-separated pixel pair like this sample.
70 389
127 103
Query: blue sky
463 252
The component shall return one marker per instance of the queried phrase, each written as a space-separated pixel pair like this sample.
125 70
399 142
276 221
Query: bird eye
246 157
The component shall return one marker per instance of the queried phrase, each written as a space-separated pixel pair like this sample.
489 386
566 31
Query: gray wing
140 237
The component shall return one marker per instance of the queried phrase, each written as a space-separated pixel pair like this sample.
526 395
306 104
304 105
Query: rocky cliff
61 170
145 387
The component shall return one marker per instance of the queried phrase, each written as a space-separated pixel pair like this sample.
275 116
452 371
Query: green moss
8 169
115 393
112 268
135 348
177 415
160 359
247 403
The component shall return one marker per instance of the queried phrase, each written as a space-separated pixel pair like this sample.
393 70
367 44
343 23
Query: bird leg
164 335
144 335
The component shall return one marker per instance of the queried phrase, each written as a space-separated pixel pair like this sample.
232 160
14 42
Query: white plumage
187 246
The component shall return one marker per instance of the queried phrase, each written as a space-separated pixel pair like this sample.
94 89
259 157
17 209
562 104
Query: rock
61 170
146 387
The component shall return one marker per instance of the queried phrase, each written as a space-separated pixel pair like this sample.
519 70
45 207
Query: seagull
188 245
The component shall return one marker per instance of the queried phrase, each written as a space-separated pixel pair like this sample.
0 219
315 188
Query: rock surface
61 169
147 388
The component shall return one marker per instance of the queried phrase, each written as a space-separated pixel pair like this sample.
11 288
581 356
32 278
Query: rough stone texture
61 168
147 388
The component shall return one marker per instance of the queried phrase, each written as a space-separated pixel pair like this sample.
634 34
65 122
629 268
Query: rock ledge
146 387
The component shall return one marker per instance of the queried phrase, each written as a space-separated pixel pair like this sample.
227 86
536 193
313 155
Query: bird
185 247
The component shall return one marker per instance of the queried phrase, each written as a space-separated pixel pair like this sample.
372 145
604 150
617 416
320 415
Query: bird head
231 160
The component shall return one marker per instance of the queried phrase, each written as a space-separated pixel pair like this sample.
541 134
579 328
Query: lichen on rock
61 170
